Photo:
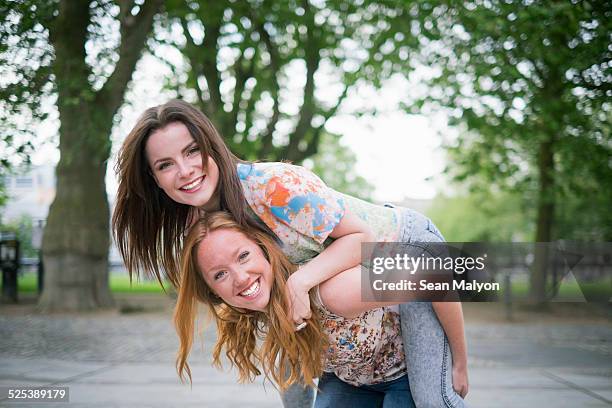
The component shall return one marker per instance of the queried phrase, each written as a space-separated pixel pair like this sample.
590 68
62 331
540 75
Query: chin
265 304
195 201
259 307
201 201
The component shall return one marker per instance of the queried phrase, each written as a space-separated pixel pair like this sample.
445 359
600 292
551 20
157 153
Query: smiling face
176 164
235 268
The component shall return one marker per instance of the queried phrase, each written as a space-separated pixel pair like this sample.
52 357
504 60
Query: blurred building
30 192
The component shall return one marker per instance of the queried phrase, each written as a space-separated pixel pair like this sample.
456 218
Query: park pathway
126 360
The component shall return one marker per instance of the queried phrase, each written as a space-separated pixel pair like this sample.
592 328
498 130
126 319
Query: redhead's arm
341 294
342 254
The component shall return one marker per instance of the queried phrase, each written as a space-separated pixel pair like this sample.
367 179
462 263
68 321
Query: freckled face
176 163
235 268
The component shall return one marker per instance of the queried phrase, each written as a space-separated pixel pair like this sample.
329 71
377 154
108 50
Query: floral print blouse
364 350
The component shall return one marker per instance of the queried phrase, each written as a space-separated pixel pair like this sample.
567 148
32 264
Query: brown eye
163 166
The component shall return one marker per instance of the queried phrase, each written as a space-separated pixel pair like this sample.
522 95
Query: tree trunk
77 236
545 215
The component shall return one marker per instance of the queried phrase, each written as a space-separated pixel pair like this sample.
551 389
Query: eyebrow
183 151
234 255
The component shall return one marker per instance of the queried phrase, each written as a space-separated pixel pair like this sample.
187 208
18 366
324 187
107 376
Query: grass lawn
119 283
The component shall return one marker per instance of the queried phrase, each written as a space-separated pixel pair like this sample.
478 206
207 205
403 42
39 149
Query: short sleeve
297 198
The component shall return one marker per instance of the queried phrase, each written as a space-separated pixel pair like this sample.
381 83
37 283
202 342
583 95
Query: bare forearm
344 253
450 315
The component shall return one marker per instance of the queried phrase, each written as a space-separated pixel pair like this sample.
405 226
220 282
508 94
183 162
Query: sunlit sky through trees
398 153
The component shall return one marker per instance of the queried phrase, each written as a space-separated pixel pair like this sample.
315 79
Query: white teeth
251 289
192 185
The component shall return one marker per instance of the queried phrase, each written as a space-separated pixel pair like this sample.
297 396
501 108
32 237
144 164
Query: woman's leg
428 355
335 393
397 393
298 396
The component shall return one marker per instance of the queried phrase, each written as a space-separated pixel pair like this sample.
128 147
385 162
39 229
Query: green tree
244 62
22 227
530 84
81 54
483 216
16 100
3 194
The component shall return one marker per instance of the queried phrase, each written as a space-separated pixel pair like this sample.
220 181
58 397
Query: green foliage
77 58
585 218
530 85
483 217
22 227
25 75
3 194
335 163
247 62
505 216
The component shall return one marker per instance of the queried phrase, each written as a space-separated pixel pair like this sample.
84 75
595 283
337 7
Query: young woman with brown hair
174 165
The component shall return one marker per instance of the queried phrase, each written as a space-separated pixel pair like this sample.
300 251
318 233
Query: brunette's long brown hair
283 354
148 226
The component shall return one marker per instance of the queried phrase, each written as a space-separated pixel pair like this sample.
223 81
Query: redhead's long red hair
286 356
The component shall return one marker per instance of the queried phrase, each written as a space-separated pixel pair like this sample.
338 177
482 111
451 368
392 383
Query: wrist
460 365
301 279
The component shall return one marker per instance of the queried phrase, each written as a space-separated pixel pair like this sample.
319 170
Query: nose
184 168
241 277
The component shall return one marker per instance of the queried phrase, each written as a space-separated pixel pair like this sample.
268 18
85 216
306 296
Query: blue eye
219 275
243 256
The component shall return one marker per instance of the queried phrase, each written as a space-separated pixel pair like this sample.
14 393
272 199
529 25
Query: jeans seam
447 400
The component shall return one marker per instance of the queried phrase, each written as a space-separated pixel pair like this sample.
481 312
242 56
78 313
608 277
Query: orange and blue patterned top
295 204
302 210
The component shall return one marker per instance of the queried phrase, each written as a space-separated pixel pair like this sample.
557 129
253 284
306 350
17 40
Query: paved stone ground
111 359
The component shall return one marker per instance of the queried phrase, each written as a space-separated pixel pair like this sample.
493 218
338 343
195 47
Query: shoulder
294 196
280 180
265 171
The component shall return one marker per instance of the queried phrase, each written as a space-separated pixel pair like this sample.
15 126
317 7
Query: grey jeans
428 356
